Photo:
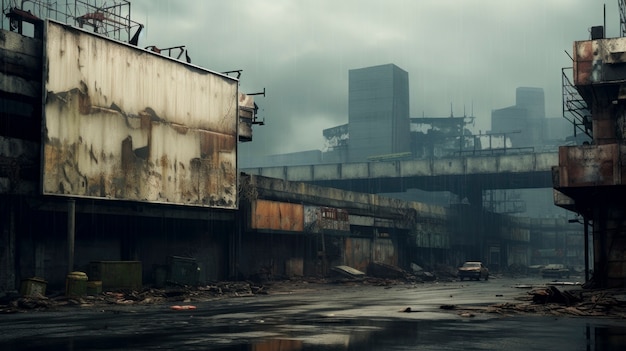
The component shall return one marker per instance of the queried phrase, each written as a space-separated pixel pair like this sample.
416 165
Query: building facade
378 112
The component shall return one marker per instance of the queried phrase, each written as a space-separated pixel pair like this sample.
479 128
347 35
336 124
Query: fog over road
320 317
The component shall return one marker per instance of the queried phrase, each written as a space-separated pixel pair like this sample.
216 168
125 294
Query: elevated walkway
460 175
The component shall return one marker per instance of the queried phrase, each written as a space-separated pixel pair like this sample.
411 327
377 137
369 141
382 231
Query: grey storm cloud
464 56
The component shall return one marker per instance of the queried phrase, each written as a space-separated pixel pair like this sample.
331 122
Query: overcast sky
458 53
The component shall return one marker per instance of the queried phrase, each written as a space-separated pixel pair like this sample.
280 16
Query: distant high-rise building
531 99
378 112
524 122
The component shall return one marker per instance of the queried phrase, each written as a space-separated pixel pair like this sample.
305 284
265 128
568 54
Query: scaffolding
111 18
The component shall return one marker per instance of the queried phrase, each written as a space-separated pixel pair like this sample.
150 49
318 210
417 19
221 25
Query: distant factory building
523 122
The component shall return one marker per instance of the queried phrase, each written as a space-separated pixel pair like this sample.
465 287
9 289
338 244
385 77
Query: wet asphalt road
335 317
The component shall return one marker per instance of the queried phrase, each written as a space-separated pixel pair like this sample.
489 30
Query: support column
71 225
609 241
475 195
475 198
8 274
586 224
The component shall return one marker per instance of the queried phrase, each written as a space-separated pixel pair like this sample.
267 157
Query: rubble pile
17 303
551 301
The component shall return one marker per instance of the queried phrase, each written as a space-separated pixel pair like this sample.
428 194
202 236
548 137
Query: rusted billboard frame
175 143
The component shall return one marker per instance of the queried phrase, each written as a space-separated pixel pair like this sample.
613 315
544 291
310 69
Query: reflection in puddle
432 335
353 334
277 345
605 338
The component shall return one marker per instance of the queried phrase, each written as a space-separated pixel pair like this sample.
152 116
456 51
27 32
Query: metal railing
575 109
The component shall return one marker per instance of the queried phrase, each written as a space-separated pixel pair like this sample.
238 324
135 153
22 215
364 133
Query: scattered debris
551 294
348 272
408 310
383 270
544 300
551 301
416 269
184 294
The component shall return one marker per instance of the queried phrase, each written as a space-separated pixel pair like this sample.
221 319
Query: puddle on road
366 335
413 335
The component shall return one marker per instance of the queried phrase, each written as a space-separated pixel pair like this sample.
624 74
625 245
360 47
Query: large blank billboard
124 123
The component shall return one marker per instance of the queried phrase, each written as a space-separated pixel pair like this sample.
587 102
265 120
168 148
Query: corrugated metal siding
277 216
122 123
385 251
357 253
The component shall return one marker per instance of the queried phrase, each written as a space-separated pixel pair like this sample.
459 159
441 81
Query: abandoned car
555 271
473 270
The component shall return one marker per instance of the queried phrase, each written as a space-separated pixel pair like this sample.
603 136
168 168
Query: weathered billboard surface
276 215
123 123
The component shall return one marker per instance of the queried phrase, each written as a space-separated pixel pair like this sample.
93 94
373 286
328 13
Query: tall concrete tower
378 112
533 100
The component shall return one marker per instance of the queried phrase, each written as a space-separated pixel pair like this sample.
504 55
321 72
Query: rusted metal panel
601 60
357 252
318 219
246 116
275 215
385 251
124 123
561 199
589 165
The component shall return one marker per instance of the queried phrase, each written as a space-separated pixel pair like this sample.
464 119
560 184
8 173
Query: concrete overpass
466 176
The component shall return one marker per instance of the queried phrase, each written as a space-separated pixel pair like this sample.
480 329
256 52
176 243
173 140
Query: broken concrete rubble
17 303
551 301
383 270
348 272
542 300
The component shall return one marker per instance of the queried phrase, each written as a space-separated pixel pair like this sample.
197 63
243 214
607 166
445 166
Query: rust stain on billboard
122 123
275 215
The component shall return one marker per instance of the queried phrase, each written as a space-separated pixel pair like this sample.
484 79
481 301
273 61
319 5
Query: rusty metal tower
591 179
